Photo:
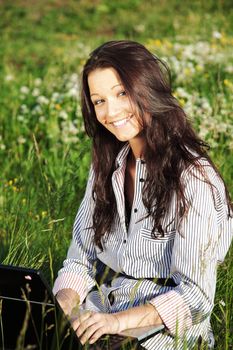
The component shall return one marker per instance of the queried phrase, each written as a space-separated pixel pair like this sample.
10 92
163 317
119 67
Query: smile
122 122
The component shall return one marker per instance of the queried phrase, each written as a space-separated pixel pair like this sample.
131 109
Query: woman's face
112 105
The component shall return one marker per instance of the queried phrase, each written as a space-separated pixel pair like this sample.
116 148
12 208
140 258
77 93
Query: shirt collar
122 155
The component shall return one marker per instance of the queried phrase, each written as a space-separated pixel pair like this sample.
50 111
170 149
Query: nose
113 108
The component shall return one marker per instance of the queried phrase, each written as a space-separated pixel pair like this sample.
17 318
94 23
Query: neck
137 145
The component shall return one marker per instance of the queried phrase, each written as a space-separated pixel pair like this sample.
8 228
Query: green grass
44 153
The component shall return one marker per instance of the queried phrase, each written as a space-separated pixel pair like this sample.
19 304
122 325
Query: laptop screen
29 315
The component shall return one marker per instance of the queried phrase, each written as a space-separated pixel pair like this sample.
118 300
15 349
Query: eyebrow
113 87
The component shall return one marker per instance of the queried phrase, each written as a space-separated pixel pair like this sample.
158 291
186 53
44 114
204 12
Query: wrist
140 316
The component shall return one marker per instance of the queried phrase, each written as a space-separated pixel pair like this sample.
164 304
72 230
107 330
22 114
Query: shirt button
135 210
141 180
124 241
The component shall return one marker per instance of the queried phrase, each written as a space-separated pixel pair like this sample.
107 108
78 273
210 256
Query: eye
98 102
122 93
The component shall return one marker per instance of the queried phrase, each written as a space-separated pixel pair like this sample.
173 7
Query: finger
96 335
85 325
75 323
88 334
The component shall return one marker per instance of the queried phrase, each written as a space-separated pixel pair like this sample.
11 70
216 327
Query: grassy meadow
44 152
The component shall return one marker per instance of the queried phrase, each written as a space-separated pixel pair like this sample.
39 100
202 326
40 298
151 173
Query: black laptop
31 318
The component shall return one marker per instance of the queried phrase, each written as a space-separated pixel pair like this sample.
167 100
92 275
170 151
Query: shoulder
203 183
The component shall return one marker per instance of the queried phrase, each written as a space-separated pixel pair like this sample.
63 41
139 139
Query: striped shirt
188 253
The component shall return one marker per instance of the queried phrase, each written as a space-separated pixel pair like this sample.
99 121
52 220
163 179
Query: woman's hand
90 326
69 300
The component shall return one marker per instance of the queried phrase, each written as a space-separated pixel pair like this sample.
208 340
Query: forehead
103 78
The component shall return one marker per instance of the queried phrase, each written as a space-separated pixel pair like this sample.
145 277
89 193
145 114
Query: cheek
100 115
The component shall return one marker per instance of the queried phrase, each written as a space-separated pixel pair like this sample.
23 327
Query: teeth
122 121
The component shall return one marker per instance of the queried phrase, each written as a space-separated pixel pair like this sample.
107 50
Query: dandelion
9 77
24 109
37 82
229 69
20 118
55 97
37 110
139 28
73 92
42 100
44 214
63 115
216 35
35 92
24 90
42 119
57 106
21 140
228 84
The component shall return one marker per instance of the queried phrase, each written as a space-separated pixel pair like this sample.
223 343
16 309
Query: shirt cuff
71 280
173 311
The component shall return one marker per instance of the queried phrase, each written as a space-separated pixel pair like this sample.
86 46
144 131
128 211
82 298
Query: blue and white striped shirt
188 253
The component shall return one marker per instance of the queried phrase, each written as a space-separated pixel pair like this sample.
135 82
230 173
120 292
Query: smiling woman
113 108
156 214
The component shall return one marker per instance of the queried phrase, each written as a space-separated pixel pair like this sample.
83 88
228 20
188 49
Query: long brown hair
171 143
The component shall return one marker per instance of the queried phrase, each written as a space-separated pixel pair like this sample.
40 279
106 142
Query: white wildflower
20 118
35 92
74 78
63 115
42 119
55 97
24 109
42 100
216 35
73 92
24 90
37 82
222 302
2 147
9 77
21 140
37 110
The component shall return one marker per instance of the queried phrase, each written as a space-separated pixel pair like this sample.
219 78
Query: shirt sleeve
196 249
78 270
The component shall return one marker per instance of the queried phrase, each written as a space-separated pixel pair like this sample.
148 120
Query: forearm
140 316
69 300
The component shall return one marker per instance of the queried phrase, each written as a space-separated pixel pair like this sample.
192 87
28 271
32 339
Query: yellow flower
199 68
228 83
182 102
10 183
187 72
24 201
57 106
44 214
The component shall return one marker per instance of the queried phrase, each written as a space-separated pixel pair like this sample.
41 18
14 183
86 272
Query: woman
155 211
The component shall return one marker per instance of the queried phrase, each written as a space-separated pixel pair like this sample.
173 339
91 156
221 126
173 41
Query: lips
121 122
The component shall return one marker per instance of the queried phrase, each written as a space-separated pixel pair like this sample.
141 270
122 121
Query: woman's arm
91 326
195 253
69 300
78 270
